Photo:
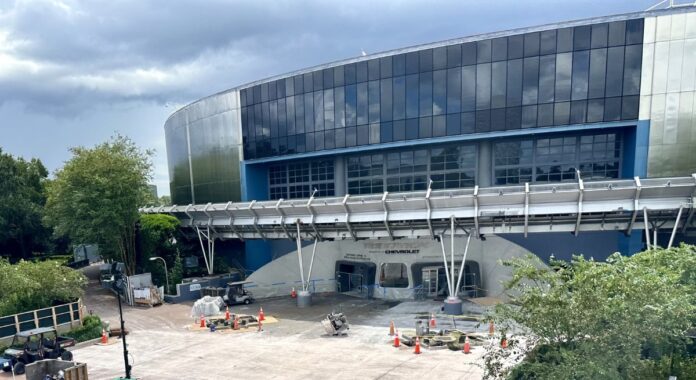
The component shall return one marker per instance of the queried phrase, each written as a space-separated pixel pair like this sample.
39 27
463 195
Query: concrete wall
278 277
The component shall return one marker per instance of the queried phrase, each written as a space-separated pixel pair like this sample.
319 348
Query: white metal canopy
613 205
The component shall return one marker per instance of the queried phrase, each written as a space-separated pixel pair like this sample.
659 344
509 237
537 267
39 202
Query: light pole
166 274
119 285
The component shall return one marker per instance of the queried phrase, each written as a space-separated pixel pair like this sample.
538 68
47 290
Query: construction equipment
335 324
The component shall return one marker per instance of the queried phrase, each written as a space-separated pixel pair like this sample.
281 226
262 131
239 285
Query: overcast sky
75 72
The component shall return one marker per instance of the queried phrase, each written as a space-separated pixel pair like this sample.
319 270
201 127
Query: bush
27 285
91 329
625 318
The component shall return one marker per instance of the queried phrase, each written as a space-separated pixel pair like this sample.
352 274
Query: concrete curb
86 343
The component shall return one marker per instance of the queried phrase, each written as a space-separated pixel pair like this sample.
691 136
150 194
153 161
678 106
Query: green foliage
620 319
157 231
91 329
34 285
22 197
95 197
176 274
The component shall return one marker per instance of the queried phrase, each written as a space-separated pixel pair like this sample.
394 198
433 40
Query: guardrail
61 316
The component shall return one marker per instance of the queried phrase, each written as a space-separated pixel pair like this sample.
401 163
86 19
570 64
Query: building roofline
453 41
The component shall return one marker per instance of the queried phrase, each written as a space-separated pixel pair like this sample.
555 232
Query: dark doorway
355 278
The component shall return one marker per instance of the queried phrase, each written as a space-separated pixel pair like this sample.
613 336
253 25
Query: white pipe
444 258
311 263
654 241
461 270
454 290
299 255
674 229
205 255
647 230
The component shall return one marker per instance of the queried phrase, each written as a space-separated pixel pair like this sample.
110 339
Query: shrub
91 329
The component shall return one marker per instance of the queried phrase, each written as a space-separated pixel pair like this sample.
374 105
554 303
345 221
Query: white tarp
207 306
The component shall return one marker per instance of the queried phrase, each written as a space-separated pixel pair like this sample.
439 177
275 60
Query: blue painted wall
563 245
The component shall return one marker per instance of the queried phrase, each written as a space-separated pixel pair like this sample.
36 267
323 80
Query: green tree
157 232
165 200
95 197
32 285
620 319
176 274
22 197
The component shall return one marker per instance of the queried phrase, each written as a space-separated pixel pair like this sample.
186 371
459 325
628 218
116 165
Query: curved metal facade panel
204 150
668 92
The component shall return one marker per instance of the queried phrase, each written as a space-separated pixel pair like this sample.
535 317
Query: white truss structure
615 205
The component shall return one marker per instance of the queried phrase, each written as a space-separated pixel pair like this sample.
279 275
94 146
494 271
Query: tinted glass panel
617 33
499 46
454 90
615 63
531 44
412 95
631 80
564 40
483 86
598 67
468 88
426 94
548 42
530 84
412 66
399 65
439 92
469 53
599 35
634 31
514 83
564 66
385 67
483 51
373 69
515 46
547 75
454 56
498 84
581 68
425 59
399 88
440 58
582 37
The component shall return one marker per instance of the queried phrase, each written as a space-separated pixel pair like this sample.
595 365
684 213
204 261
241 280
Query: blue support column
257 253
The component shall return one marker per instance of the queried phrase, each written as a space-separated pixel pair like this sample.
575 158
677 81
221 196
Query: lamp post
166 274
119 286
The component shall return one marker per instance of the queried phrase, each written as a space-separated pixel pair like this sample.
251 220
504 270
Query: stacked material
207 306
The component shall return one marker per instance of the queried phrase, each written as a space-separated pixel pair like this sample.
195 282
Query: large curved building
610 97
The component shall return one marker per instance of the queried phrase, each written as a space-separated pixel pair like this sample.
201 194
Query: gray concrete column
485 166
340 176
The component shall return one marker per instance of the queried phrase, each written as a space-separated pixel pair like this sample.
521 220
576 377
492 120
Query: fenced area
60 317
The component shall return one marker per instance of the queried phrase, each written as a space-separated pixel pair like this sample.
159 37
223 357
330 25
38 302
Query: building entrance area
433 280
355 278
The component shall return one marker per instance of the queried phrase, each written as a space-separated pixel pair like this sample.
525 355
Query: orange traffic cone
417 349
227 314
235 326
293 293
391 328
491 328
104 338
397 343
467 345
261 317
503 343
202 321
432 320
